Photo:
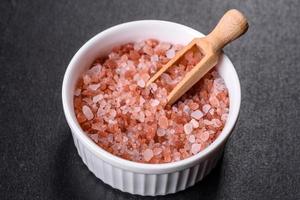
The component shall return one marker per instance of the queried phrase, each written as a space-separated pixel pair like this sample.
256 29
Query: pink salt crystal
94 86
204 136
157 151
141 83
224 117
97 126
197 114
86 79
95 69
186 109
77 92
214 101
163 122
148 154
170 53
207 122
164 46
113 113
154 58
194 123
188 128
216 122
161 132
154 102
206 108
195 148
142 101
87 112
97 98
153 87
191 138
94 137
176 156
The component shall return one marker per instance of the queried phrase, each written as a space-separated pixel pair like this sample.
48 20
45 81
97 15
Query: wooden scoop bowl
231 26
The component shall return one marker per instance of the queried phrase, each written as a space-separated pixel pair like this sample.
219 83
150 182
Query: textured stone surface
38 38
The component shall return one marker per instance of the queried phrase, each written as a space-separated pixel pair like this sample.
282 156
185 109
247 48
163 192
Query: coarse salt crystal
161 132
97 98
141 83
148 154
204 136
195 148
154 58
153 87
77 92
154 102
170 53
163 122
206 108
157 151
87 112
188 128
94 86
197 114
97 126
186 109
94 137
194 123
192 138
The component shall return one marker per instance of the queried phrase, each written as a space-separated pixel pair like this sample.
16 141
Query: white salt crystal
188 128
87 112
197 114
170 53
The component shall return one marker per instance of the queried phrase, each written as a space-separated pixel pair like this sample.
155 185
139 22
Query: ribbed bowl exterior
146 184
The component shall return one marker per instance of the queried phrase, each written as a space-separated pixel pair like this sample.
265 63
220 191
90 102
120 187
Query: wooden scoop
231 26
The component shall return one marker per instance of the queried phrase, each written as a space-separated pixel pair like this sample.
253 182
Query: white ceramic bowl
139 178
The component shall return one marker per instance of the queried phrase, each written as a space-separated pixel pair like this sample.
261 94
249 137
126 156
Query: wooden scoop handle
231 26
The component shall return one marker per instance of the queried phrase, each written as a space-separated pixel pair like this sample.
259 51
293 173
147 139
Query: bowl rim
131 165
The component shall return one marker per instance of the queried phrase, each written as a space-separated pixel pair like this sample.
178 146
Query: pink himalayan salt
148 154
188 128
194 123
192 139
163 122
206 108
195 148
87 112
131 120
197 114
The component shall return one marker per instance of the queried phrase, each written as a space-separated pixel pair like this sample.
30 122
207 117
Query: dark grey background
38 39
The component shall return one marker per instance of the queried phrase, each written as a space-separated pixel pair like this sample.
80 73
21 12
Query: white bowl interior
102 44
